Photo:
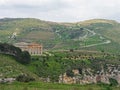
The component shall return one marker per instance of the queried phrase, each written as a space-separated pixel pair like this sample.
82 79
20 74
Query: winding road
89 33
106 42
92 34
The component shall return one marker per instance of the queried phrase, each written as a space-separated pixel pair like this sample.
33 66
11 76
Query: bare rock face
88 77
102 78
65 79
4 80
118 78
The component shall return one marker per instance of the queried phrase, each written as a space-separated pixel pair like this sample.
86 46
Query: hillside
96 34
10 68
100 66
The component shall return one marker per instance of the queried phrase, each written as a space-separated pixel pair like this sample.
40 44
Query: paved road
93 33
106 42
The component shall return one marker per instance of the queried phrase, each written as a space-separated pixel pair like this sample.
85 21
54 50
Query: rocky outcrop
88 77
7 80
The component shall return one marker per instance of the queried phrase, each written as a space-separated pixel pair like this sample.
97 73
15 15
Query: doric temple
32 48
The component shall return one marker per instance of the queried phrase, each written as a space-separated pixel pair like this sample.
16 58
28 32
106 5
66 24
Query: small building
32 48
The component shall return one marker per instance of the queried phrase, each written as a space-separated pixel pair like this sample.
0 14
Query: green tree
25 57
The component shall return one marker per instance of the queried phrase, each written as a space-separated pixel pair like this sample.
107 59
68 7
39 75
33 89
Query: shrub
113 82
70 73
24 78
25 57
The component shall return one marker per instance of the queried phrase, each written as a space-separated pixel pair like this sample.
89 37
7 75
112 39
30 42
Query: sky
61 10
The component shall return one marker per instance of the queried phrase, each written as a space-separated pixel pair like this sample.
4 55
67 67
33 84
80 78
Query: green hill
10 68
96 34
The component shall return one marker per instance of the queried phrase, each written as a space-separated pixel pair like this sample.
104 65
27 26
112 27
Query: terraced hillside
96 34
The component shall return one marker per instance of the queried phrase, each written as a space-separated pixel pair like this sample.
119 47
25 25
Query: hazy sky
61 10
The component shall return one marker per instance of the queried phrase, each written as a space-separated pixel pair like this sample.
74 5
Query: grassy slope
107 28
51 86
10 68
22 27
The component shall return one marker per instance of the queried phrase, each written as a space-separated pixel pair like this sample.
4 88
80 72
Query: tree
22 57
25 57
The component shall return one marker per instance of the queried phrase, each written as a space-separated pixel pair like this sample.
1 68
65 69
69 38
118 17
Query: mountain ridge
96 19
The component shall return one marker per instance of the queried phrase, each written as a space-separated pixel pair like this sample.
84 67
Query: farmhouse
32 48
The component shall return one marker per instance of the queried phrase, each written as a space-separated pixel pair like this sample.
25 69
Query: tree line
21 56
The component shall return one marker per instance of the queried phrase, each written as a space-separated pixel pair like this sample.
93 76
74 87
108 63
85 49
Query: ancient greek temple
32 48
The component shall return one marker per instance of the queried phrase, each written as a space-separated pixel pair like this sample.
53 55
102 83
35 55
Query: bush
70 73
113 82
25 57
25 78
71 50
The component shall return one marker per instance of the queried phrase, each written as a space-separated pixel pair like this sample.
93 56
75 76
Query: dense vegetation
22 57
57 63
50 66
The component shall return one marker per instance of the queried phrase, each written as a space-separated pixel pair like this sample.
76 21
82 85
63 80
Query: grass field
51 86
43 35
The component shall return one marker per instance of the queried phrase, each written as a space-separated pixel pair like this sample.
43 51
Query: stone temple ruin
32 48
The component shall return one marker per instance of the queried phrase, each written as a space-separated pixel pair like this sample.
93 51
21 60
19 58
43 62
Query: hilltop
95 34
